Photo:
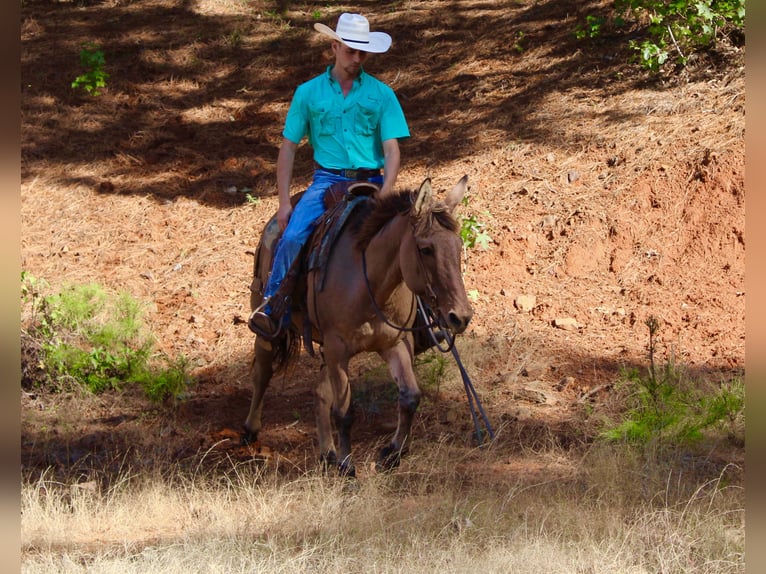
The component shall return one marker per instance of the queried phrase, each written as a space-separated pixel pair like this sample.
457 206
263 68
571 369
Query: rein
474 404
379 311
431 323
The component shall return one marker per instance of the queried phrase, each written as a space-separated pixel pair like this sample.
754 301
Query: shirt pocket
322 119
366 120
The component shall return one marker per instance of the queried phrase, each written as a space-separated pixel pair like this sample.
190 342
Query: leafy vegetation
94 78
472 231
668 410
82 334
592 28
674 29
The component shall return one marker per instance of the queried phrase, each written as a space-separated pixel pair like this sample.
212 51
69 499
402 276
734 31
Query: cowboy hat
353 30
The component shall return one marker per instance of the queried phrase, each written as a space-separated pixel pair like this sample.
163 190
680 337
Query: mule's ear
455 196
423 201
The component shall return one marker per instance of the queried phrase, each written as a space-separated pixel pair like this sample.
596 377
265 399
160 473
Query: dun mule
389 251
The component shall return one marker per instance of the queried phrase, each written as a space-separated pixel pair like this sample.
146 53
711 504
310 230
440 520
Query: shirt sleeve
393 124
296 122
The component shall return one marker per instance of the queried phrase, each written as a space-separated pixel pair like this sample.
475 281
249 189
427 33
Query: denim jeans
302 222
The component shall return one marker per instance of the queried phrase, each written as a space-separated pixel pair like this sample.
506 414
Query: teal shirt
345 132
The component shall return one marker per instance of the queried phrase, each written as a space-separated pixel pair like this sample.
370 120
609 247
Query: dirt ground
609 196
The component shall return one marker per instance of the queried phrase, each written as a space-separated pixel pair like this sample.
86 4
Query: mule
390 251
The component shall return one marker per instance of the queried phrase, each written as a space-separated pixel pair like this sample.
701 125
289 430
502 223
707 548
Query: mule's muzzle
458 322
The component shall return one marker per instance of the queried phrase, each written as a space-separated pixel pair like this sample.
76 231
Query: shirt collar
358 80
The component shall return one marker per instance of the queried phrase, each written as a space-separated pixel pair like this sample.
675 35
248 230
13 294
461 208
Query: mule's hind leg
399 359
262 370
323 399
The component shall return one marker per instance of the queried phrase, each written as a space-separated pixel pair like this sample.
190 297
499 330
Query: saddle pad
327 231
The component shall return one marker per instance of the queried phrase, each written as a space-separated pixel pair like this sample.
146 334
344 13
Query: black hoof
328 461
390 458
347 470
248 437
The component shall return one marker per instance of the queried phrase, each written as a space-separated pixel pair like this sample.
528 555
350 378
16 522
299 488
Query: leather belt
357 174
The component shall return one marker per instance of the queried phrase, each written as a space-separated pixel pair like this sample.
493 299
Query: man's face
348 59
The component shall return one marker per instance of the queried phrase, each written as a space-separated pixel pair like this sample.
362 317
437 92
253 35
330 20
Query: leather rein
478 415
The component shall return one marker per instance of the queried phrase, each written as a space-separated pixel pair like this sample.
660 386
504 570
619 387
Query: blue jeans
302 223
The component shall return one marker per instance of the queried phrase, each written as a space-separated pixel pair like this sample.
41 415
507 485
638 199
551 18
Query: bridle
431 321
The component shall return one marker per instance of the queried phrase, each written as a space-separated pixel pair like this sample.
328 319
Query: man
353 122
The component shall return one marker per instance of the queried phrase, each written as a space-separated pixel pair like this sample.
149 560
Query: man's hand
390 167
283 215
285 163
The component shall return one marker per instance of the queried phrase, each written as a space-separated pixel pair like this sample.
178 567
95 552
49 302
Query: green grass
670 409
86 336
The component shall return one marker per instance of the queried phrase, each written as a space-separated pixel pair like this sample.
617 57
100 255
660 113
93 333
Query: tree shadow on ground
119 432
195 101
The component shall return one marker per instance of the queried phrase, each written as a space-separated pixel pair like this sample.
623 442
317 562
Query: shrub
668 409
680 27
83 334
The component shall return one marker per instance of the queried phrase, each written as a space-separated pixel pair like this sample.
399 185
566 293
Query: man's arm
390 166
285 162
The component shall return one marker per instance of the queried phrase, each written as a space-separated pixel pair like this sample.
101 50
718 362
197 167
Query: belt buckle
352 173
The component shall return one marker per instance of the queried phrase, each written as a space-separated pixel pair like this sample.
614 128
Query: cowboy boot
268 320
273 314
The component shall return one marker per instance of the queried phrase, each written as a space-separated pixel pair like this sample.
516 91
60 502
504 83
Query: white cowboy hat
354 31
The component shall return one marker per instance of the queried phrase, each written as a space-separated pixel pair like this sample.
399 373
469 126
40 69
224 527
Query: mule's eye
427 250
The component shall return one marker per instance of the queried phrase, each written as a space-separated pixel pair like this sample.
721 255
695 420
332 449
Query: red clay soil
609 195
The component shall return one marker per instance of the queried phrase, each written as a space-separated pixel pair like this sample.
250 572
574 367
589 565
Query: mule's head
431 256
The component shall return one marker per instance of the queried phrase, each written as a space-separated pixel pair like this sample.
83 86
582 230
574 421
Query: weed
680 27
472 231
83 334
670 410
94 78
518 43
432 368
170 381
233 39
592 28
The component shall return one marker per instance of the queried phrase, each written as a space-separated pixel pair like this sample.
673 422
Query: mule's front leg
343 423
262 370
399 359
334 397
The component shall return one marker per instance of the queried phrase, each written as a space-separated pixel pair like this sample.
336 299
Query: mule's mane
376 213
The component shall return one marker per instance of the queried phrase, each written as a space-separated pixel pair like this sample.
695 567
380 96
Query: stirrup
268 328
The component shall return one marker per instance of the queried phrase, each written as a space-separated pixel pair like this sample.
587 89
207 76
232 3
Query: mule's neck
384 270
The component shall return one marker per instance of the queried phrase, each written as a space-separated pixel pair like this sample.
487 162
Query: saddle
341 200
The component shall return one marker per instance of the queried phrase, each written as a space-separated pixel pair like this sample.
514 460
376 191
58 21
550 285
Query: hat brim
379 41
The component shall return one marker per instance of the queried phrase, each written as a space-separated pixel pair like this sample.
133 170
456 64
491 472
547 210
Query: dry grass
251 520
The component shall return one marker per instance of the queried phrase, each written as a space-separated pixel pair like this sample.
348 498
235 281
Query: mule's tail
286 349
